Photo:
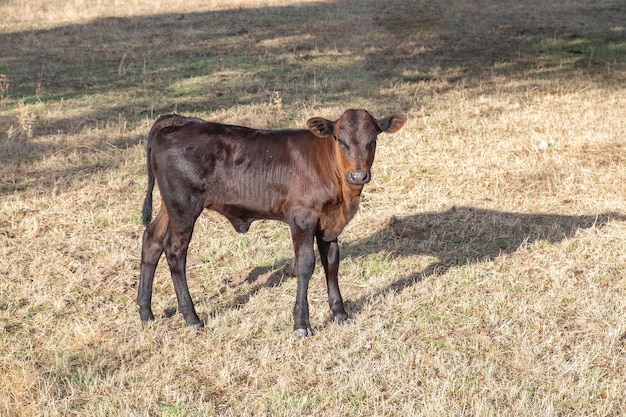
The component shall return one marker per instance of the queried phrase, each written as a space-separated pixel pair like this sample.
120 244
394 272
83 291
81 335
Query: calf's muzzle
358 177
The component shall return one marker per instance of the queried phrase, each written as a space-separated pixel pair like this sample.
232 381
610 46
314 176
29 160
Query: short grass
485 271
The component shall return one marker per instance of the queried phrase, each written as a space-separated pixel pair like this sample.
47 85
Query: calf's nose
358 177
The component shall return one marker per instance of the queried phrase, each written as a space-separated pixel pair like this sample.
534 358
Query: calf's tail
167 123
146 214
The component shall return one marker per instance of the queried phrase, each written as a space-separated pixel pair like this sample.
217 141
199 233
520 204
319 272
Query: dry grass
485 271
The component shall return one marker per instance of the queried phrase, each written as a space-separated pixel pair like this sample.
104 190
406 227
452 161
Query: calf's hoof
194 322
146 315
302 333
196 326
341 318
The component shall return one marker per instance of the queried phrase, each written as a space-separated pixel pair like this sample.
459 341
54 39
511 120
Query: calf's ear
321 127
391 124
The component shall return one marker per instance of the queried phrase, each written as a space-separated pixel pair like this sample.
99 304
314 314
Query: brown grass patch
484 272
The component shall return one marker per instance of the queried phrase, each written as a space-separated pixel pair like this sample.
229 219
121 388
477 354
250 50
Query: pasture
485 273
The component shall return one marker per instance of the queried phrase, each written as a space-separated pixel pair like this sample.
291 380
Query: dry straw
485 270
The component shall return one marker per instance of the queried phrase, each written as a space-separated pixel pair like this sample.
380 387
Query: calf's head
355 134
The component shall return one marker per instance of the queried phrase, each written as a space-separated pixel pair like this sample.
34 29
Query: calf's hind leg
175 245
151 250
171 236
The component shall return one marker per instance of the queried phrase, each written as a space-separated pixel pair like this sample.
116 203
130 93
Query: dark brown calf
311 179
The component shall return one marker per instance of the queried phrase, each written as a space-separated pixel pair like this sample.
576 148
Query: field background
485 272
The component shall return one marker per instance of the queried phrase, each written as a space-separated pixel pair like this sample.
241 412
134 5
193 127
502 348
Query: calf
310 179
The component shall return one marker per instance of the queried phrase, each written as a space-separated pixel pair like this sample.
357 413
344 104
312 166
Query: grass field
485 272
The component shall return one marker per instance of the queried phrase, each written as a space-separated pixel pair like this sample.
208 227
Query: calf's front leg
305 263
329 254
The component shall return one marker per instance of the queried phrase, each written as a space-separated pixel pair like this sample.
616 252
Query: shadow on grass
96 158
314 55
257 278
462 236
456 237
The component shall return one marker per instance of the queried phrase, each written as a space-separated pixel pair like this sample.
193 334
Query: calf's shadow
457 236
464 235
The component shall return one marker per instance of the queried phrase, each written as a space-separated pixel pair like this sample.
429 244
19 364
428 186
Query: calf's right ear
321 127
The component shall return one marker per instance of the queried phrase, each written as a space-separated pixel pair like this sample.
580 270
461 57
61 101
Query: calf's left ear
391 124
321 127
